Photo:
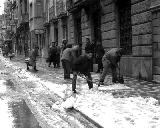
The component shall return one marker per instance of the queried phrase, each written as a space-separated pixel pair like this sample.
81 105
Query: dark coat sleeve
81 64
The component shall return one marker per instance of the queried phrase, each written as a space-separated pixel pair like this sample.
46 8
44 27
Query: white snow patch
110 112
113 87
2 86
69 103
5 115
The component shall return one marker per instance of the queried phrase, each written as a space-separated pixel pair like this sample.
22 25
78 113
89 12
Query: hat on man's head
122 51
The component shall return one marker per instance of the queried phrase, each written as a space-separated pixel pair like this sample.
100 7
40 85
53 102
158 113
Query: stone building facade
36 21
55 22
23 25
130 25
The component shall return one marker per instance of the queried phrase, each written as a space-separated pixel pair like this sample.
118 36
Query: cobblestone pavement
112 103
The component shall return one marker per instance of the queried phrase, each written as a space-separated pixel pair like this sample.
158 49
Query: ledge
155 5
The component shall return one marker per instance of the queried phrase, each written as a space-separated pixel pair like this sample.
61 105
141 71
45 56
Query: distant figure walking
52 55
32 59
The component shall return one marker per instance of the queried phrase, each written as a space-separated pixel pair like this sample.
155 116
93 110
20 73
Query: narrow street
44 93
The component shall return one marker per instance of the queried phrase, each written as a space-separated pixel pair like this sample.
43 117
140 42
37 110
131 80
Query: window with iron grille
125 27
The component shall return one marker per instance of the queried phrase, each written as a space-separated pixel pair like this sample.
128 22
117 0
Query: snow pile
114 87
5 115
69 103
110 112
2 86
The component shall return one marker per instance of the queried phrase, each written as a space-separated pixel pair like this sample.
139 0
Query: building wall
139 63
141 39
36 21
155 8
109 26
70 29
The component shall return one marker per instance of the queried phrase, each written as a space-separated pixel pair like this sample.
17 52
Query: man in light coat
111 60
69 54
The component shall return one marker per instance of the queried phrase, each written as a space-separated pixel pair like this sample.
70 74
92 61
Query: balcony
73 5
52 14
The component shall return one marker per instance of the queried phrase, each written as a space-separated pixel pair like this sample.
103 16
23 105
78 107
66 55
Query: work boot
100 83
27 66
74 91
35 69
114 80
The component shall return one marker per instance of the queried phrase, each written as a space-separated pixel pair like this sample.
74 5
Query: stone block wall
70 29
156 44
109 25
141 39
139 63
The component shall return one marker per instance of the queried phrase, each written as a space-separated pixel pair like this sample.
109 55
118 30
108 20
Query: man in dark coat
32 59
52 54
89 48
64 45
69 54
99 54
58 52
110 60
81 65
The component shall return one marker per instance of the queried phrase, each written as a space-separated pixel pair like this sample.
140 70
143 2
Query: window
125 27
38 8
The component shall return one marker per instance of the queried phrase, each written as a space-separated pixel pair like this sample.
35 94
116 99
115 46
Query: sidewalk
134 104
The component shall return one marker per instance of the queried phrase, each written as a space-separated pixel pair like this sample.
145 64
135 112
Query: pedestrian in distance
31 61
64 45
81 66
89 48
99 54
58 52
52 55
69 54
111 60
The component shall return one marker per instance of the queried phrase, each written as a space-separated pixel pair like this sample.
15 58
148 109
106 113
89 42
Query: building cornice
155 5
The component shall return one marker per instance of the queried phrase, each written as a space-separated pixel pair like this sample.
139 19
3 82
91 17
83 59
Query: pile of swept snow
110 112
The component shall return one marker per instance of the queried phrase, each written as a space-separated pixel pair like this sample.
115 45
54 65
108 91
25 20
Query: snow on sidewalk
104 108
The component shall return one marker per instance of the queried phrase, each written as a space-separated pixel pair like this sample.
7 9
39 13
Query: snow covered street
134 104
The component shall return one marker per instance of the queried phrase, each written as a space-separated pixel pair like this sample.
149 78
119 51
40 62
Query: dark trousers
58 60
106 65
67 68
50 62
88 77
100 65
